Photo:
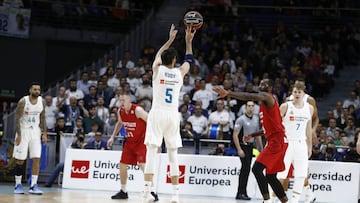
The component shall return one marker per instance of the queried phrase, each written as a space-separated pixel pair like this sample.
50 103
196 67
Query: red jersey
271 119
135 127
273 154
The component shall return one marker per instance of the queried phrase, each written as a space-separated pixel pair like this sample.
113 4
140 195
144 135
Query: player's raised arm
157 60
189 58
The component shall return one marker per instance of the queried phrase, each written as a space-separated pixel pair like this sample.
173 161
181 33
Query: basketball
194 19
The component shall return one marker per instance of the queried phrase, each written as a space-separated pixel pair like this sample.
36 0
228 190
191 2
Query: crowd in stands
236 55
110 15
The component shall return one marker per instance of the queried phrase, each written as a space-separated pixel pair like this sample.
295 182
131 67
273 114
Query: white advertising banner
98 170
335 181
205 175
202 175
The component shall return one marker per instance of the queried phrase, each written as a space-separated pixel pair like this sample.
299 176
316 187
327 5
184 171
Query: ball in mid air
194 19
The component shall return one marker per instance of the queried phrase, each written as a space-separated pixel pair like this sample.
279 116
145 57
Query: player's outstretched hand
221 91
172 32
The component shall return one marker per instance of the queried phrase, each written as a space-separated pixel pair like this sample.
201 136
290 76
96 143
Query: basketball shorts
133 153
296 154
163 124
30 142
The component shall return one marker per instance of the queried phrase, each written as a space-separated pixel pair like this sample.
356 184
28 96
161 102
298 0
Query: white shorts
30 141
163 124
296 154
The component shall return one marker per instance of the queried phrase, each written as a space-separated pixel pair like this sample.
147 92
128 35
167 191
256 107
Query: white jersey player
163 120
297 116
30 123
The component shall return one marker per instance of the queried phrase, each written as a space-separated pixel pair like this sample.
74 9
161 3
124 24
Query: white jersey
295 121
166 88
31 114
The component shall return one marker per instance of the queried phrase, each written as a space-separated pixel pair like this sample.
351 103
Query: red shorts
273 156
133 153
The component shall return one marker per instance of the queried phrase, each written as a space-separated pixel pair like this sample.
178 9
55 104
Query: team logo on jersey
162 81
181 175
291 118
80 169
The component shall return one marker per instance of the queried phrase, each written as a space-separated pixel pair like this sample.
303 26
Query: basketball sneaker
35 190
309 195
155 196
175 199
19 189
147 198
120 195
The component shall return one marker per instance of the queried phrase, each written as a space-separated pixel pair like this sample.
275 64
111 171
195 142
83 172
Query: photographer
78 143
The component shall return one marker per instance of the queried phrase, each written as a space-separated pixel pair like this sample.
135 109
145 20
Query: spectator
90 99
351 154
332 128
93 78
101 110
61 98
110 124
73 91
221 118
83 84
330 153
92 118
199 124
98 143
51 113
204 95
352 100
73 111
144 92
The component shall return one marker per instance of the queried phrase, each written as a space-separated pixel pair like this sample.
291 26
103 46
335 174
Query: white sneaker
175 199
309 197
147 198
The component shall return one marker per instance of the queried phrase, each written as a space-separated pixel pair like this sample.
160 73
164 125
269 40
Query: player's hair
33 84
299 86
168 56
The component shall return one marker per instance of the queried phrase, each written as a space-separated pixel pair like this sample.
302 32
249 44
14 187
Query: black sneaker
156 198
120 195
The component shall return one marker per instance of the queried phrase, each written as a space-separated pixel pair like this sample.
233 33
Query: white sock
295 197
34 179
268 201
18 180
175 190
147 187
123 188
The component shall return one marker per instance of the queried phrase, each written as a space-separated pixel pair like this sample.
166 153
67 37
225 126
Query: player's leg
20 155
276 187
174 173
35 154
149 170
258 171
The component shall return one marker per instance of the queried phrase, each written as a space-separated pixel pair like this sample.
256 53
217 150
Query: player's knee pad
298 184
151 153
173 162
19 170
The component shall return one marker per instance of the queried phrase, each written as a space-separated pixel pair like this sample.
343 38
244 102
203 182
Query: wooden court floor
59 195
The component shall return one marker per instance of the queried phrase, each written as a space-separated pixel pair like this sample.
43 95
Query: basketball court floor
59 195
